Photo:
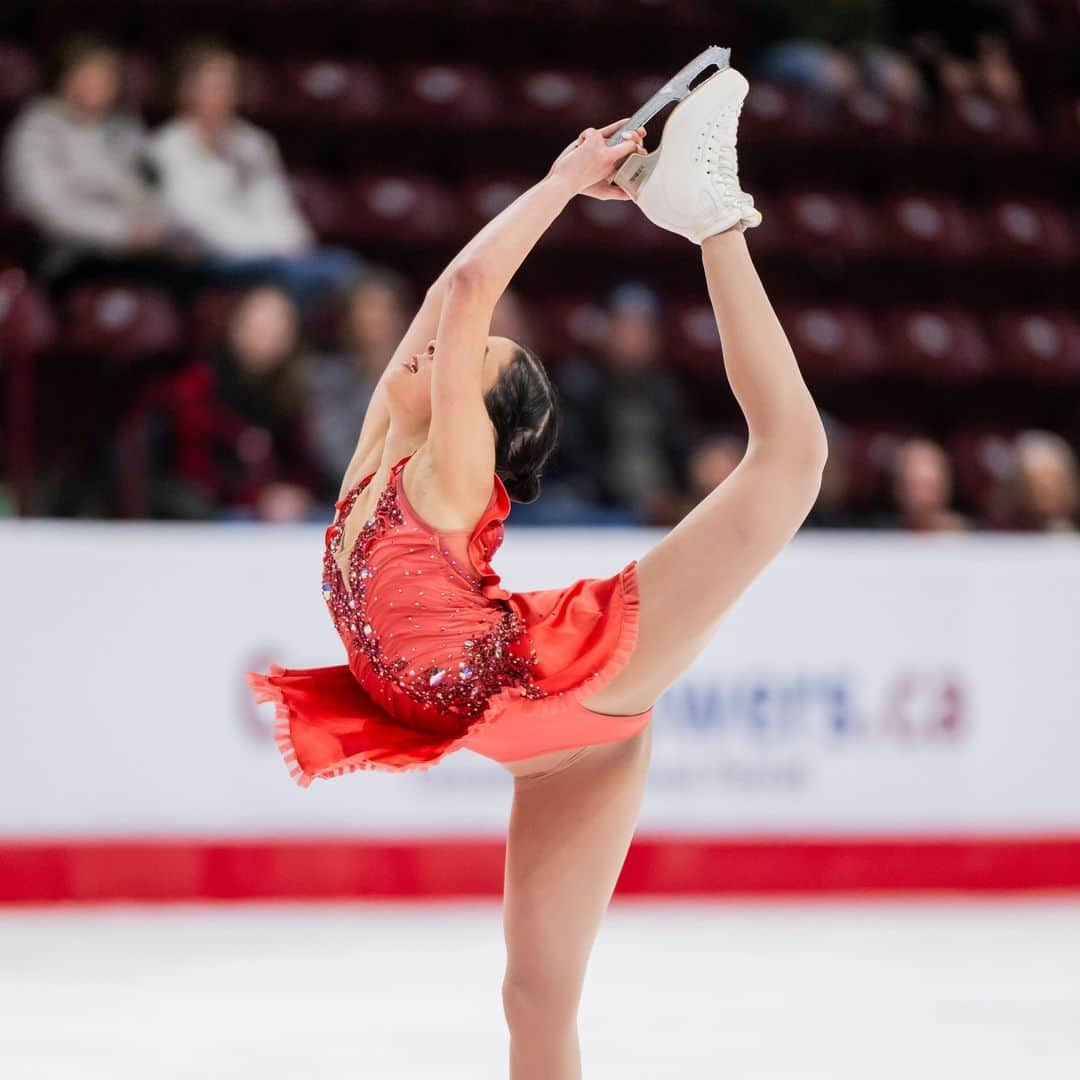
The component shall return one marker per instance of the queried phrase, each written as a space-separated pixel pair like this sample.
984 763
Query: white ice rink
738 991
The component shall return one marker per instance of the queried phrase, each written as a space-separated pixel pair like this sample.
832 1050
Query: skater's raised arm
499 248
462 451
490 260
584 167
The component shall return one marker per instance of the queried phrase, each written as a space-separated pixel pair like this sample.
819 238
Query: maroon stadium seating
328 91
120 323
447 95
834 341
1040 345
561 99
929 228
406 208
939 344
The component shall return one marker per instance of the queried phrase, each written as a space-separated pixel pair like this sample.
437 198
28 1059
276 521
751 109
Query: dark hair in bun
524 408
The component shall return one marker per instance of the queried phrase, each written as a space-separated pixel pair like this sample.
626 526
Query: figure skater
557 685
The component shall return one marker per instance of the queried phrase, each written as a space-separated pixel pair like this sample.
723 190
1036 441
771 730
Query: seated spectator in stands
922 487
239 429
894 75
223 179
997 75
1044 483
375 315
624 429
961 48
816 68
75 166
832 510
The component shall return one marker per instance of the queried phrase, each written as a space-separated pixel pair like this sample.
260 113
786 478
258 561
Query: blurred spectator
75 166
922 488
814 45
238 425
1044 483
222 177
812 67
832 510
894 75
961 47
375 315
624 423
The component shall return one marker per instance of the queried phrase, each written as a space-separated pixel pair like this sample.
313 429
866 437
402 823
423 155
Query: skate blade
675 89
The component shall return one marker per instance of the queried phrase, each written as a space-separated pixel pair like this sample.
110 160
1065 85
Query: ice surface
746 991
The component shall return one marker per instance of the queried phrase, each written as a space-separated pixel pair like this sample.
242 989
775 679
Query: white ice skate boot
690 183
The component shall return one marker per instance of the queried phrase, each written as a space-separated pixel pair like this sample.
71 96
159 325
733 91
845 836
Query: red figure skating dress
441 658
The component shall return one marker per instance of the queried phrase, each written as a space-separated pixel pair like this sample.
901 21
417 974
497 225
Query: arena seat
26 329
870 115
325 92
1065 122
975 120
559 99
26 319
982 457
483 197
695 340
1040 345
568 325
1027 230
775 112
401 207
19 75
834 341
260 93
447 95
634 90
772 235
210 315
939 344
321 203
817 217
928 227
872 449
1047 21
121 324
612 224
18 237
144 86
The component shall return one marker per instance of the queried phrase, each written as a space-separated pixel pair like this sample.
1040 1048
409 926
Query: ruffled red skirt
583 634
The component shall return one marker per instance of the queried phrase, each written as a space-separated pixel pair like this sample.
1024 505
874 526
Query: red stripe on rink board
33 871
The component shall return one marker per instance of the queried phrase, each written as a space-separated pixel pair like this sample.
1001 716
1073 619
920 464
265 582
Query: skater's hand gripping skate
588 163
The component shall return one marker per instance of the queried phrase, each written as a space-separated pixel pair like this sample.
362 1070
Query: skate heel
634 171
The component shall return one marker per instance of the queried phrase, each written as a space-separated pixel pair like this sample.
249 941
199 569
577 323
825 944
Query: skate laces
715 149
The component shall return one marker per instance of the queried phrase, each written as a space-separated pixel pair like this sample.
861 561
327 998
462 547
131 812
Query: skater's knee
534 997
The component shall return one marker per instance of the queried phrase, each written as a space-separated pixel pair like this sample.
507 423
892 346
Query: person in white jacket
75 167
222 178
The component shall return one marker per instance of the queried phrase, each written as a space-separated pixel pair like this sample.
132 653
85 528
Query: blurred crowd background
218 218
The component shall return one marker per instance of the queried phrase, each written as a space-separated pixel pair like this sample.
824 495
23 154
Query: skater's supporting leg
569 834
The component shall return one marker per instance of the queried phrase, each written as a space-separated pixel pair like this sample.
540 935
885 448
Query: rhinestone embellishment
485 663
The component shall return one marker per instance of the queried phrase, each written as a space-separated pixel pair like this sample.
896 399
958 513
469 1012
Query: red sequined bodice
427 637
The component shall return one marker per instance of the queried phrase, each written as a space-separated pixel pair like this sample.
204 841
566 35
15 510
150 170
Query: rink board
911 701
